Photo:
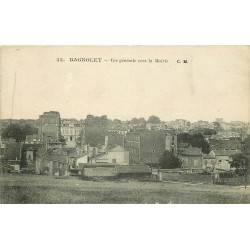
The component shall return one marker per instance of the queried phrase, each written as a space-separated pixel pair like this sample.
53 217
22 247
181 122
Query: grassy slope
45 189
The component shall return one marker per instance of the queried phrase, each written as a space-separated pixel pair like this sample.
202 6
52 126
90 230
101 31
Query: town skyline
117 118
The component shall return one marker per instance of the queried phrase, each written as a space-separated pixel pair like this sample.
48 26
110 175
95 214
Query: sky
214 83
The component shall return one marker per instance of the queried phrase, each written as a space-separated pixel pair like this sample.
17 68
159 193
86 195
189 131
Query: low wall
196 178
240 181
99 172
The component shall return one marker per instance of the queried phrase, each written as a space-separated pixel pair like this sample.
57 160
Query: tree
196 140
169 160
18 132
184 137
204 131
246 147
154 119
240 163
134 121
117 121
141 120
23 162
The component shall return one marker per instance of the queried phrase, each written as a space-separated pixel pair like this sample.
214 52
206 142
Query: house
52 160
228 134
81 159
223 159
11 150
156 126
225 144
71 154
71 130
112 139
30 151
120 130
30 154
191 157
209 160
113 154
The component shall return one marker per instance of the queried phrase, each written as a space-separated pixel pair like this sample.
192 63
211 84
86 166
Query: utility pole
13 97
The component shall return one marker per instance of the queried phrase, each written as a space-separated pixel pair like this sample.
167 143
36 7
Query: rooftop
226 152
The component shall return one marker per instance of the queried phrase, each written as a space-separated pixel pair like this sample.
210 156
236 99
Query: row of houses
54 156
193 159
119 146
137 149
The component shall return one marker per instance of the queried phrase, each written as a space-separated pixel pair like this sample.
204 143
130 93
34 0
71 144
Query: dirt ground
36 189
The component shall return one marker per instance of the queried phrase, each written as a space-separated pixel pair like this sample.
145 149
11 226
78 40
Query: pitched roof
226 152
234 143
211 155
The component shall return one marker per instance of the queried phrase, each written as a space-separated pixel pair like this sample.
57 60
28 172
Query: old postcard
125 124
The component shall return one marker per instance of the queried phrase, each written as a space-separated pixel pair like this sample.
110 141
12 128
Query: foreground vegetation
15 189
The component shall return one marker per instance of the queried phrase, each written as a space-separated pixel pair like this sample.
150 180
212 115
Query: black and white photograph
125 125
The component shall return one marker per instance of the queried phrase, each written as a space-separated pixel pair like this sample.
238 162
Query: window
195 163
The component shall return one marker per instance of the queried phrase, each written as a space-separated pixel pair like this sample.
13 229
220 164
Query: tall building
49 125
133 144
171 141
71 129
112 139
147 146
95 130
